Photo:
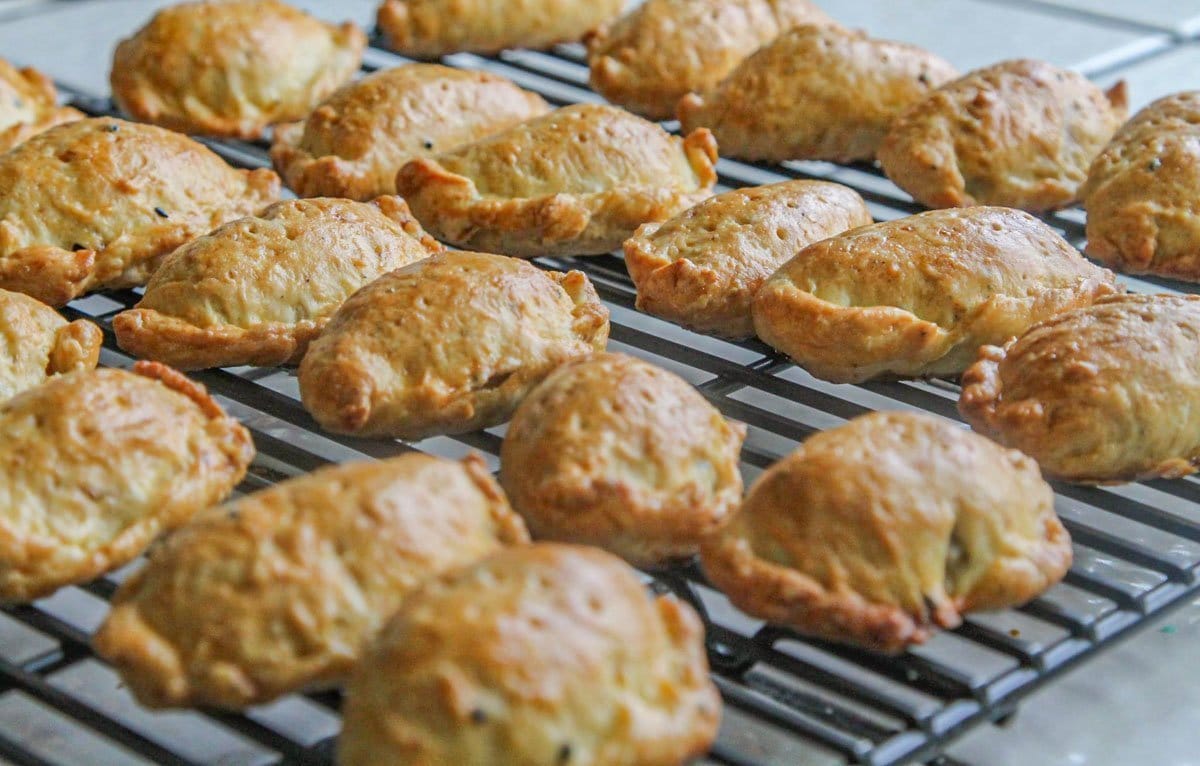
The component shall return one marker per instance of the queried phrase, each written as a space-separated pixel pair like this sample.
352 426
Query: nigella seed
161 213
924 78
427 143
1154 165
113 128
564 753
75 248
478 716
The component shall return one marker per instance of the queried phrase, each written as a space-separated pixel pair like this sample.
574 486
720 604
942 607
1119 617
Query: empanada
353 144
36 343
882 530
447 345
540 654
93 204
258 290
296 578
96 464
1102 394
815 93
28 105
577 181
702 267
665 49
1018 134
233 67
918 296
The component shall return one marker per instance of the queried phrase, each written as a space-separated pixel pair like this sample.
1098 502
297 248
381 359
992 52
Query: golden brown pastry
36 343
1102 394
815 93
1143 192
447 345
296 578
918 296
258 290
702 267
431 28
28 105
614 452
96 464
232 67
577 181
1019 134
353 144
882 530
94 204
541 654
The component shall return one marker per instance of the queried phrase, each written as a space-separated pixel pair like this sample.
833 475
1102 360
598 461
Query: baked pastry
577 181
28 105
878 532
96 464
818 92
353 144
664 49
614 452
232 67
702 267
1142 190
36 343
447 345
94 204
918 296
296 578
431 28
1018 134
258 290
541 654
1101 394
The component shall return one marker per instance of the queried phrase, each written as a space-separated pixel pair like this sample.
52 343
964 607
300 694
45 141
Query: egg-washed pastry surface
232 68
353 144
447 345
1019 134
36 343
577 181
882 530
28 105
918 296
541 654
702 267
94 465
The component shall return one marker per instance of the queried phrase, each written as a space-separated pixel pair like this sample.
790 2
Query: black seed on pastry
564 753
1155 164
161 213
427 143
478 716
75 248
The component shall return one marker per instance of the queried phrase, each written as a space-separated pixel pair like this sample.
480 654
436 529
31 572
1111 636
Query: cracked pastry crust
232 68
578 181
815 93
95 465
94 204
294 579
28 105
36 344
540 654
1017 134
664 49
1142 190
258 290
702 267
354 143
614 452
882 530
918 296
448 345
1099 395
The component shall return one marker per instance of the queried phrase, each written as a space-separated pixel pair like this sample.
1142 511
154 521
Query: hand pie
879 531
541 654
447 345
232 68
1018 134
1102 394
577 181
614 452
94 465
815 93
432 28
294 579
28 105
354 143
36 343
259 289
1143 192
702 267
918 296
94 204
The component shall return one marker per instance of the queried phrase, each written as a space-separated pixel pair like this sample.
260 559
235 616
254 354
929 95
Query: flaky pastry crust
28 105
36 343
